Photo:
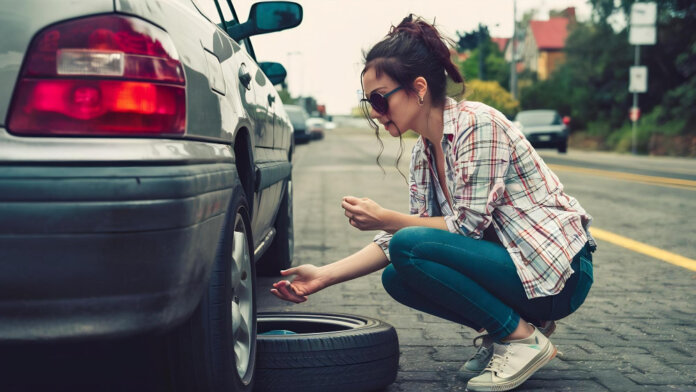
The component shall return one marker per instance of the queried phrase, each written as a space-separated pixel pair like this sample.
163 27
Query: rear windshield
297 115
538 118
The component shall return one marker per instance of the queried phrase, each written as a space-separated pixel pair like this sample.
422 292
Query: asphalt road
635 331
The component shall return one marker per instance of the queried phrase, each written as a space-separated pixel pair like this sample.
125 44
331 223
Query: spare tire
324 352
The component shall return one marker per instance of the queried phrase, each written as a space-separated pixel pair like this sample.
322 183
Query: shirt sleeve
482 157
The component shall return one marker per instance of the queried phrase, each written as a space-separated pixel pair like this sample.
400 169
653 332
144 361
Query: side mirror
566 120
275 72
268 17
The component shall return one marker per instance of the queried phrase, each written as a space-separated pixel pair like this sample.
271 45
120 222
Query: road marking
652 180
645 249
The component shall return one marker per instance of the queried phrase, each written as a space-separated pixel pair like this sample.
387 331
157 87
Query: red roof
501 42
550 34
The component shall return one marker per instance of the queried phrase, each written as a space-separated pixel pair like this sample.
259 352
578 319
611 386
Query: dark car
146 165
298 118
544 128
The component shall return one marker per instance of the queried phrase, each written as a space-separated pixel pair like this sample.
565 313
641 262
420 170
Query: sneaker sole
468 375
548 354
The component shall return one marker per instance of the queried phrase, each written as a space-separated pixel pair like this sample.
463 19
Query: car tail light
102 75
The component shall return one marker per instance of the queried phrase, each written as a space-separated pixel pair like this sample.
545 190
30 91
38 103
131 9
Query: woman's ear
420 85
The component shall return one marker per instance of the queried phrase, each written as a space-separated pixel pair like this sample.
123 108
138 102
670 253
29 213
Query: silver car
146 164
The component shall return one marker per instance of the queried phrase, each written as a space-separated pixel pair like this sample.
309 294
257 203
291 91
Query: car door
271 165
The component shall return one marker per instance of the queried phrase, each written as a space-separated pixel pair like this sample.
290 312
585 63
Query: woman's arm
309 279
365 214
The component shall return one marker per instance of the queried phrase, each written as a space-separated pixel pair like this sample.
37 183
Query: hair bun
417 27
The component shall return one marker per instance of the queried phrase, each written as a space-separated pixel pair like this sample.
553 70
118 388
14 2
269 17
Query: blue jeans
474 282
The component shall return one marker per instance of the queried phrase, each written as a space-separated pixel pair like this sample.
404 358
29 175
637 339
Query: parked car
146 165
298 118
544 128
316 127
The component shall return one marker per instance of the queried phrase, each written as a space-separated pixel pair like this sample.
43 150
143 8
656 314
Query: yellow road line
639 247
652 180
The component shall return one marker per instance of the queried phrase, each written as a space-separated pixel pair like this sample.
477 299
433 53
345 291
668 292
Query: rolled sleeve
382 239
482 159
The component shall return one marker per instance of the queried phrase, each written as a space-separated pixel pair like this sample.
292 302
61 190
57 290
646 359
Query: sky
323 55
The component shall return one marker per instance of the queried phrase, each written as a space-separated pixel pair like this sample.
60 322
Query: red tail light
103 75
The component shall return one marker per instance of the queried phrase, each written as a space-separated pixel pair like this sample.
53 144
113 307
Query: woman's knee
403 241
389 279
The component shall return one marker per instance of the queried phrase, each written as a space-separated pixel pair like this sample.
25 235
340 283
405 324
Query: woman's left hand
364 213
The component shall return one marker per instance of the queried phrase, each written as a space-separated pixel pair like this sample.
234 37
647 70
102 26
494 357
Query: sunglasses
379 101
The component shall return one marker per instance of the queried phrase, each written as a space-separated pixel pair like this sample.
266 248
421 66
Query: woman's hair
413 48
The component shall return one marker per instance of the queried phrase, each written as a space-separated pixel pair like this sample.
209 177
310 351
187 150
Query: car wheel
563 146
324 352
280 254
215 350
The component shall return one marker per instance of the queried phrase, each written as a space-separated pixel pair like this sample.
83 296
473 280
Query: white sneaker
513 363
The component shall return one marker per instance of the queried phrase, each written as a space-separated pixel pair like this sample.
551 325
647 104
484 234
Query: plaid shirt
495 177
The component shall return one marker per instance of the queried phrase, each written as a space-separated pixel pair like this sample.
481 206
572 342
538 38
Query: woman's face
403 107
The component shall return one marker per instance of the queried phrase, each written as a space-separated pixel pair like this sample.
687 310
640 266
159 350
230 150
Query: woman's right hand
308 280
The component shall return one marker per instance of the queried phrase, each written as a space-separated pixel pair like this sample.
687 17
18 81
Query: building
542 50
541 47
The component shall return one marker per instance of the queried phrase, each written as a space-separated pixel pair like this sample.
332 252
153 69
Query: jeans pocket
585 280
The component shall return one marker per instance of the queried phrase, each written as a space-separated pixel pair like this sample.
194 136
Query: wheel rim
291 234
242 296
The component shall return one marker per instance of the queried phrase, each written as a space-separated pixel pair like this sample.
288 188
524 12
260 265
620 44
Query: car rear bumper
106 251
546 139
302 136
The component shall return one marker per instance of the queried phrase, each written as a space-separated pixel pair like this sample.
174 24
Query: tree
485 60
671 62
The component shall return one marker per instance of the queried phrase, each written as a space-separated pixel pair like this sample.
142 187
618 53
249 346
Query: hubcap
242 292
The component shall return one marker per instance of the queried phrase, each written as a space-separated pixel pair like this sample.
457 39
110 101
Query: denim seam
503 324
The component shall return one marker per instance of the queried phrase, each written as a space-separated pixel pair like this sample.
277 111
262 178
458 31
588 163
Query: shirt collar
449 120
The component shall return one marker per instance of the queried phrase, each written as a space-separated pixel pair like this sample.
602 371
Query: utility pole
642 32
513 58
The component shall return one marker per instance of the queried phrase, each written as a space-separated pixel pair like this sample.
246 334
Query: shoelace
498 361
480 342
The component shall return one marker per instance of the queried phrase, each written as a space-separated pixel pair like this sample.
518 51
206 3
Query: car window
209 10
537 118
227 12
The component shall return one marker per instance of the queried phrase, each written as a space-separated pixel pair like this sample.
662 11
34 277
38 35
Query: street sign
638 81
643 19
643 13
642 35
634 114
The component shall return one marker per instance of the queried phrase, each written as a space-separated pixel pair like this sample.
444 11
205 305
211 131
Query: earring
420 100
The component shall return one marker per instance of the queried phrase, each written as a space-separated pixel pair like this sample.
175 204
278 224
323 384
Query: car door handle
244 76
271 99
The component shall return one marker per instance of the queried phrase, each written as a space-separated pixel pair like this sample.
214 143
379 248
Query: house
501 42
542 48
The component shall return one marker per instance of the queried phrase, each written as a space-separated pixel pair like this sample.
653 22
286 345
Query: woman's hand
364 213
308 280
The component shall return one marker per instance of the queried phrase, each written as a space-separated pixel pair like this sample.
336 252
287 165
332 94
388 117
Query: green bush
649 126
492 94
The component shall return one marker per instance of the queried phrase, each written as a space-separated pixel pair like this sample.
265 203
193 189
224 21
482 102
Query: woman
491 242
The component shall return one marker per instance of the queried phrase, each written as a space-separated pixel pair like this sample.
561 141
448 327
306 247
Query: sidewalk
635 332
